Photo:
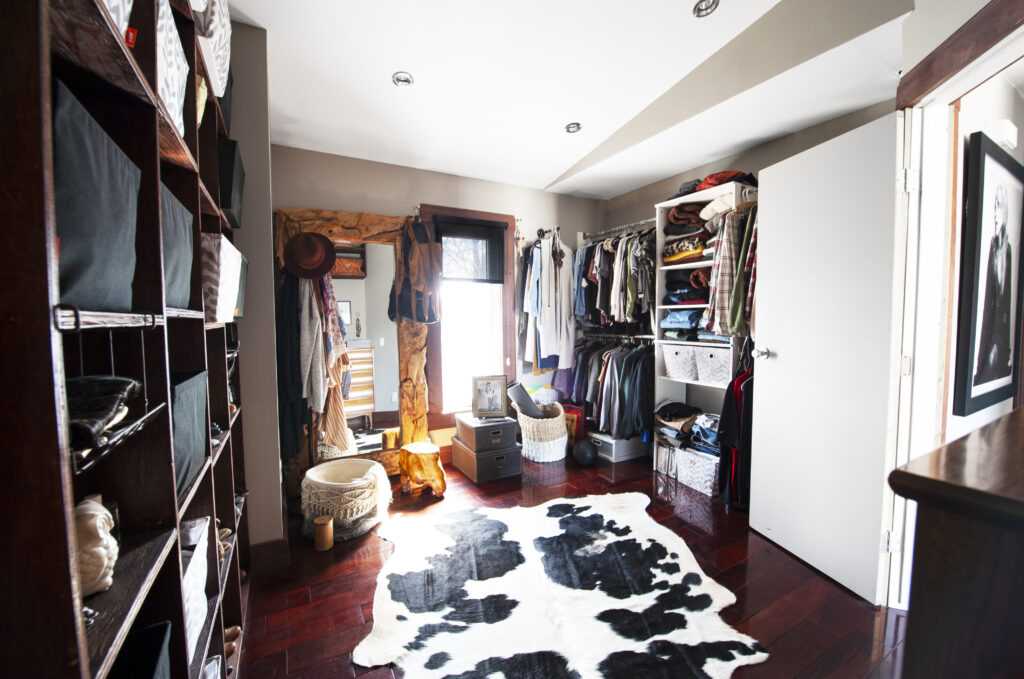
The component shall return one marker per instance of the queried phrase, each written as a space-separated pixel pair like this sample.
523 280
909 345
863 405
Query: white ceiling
496 84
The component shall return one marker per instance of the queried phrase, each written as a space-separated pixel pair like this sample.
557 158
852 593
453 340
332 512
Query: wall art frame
989 319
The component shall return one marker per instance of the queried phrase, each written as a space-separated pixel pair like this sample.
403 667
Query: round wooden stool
420 464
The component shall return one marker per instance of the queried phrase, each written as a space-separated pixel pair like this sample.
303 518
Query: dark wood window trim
436 418
995 21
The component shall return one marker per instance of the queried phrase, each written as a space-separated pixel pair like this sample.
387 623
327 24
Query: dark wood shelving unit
185 500
137 566
73 320
46 633
195 667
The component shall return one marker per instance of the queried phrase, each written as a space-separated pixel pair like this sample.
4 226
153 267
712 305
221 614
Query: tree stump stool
420 464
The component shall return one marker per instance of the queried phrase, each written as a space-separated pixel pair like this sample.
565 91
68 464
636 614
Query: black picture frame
989 319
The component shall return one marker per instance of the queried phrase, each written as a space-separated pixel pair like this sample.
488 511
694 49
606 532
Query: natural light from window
471 339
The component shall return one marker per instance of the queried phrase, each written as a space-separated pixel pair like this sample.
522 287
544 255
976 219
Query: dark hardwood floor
304 620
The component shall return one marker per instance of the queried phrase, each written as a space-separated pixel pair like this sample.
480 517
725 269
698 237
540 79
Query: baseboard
269 556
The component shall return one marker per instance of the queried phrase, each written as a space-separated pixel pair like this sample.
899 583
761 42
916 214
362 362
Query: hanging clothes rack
615 336
615 230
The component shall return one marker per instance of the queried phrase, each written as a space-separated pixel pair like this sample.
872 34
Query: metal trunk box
489 465
483 434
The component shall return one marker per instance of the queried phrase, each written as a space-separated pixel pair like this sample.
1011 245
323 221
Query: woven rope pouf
355 492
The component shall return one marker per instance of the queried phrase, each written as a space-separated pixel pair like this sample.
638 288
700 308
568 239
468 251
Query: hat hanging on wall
309 255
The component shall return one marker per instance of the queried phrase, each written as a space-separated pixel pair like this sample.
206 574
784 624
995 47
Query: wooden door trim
992 23
436 417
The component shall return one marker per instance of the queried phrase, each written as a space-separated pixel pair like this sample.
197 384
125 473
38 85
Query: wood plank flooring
304 620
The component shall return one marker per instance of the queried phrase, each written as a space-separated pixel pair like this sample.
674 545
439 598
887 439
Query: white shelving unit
676 389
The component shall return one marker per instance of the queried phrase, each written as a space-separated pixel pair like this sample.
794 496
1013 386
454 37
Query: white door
822 398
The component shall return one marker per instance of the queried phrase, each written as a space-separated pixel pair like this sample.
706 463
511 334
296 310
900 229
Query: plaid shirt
724 272
750 271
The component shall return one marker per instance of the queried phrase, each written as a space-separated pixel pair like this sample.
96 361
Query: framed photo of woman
489 396
989 323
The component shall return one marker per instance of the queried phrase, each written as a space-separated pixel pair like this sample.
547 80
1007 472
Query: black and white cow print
574 588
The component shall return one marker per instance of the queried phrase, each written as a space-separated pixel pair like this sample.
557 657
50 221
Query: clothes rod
614 336
619 229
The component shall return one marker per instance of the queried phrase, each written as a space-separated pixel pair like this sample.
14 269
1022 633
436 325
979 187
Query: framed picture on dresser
989 320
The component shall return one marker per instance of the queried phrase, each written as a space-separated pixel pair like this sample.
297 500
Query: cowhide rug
584 587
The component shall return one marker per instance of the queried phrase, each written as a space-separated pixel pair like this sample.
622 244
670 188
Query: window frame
431 215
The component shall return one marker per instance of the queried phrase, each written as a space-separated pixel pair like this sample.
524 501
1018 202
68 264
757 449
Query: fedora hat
309 255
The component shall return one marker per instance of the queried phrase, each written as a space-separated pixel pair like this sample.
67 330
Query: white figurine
97 550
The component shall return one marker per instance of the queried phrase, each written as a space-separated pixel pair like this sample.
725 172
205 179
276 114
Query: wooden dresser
966 615
360 401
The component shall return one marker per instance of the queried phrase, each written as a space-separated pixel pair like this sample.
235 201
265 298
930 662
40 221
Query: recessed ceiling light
573 128
401 78
704 8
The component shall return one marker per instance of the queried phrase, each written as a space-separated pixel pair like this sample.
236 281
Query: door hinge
907 368
892 543
908 180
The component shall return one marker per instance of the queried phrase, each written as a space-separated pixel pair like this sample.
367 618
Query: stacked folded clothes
685 249
685 295
704 436
675 420
687 214
684 319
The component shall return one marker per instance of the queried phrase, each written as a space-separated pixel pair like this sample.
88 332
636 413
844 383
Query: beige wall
639 204
321 180
250 125
931 22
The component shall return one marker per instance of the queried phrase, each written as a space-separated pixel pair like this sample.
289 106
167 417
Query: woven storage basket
355 492
544 440
680 363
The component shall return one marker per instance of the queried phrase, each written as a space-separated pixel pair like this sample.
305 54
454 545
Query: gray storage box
483 434
617 450
489 465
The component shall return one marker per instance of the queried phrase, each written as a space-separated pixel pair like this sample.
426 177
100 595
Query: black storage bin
489 465
176 227
225 101
188 416
483 434
96 196
232 180
144 654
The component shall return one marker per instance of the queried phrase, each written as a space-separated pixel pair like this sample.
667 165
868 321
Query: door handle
761 353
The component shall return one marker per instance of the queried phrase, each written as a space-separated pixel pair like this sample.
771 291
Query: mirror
372 338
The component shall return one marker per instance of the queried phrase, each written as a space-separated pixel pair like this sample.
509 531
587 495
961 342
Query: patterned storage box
714 365
213 28
680 363
195 540
223 272
690 467
172 67
120 11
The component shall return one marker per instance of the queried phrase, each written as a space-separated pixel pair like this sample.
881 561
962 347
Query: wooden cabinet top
981 474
